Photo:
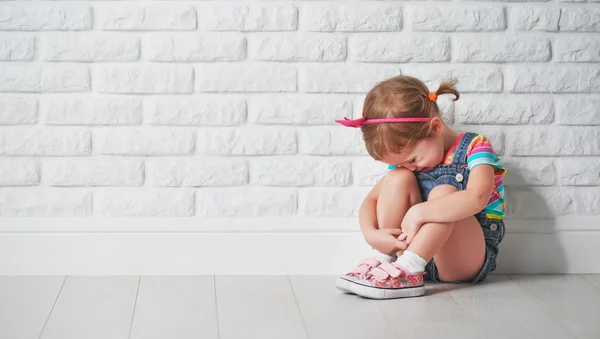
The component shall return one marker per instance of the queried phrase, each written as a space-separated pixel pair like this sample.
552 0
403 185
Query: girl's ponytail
448 87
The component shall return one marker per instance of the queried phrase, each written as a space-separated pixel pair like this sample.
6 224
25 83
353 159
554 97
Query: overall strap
460 154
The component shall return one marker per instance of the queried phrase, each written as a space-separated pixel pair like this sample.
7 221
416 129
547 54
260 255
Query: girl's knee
441 190
400 176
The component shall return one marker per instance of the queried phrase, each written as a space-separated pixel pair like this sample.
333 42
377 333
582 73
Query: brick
144 202
505 112
45 17
44 141
44 202
344 78
367 172
16 47
372 17
146 17
285 171
366 47
196 172
502 49
96 110
574 19
298 109
579 111
84 47
196 110
541 19
447 109
359 103
248 18
579 172
555 141
18 110
577 49
146 141
245 78
331 141
587 200
553 79
243 202
247 141
93 172
41 78
188 47
458 19
471 78
141 79
292 47
538 202
529 172
19 172
65 78
330 202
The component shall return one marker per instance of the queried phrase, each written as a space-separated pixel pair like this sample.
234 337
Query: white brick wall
226 109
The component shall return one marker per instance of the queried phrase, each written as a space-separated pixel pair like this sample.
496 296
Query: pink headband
363 121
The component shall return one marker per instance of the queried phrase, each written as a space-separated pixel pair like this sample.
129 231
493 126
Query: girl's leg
399 192
458 248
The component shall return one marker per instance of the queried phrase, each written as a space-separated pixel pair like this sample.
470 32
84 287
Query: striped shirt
481 152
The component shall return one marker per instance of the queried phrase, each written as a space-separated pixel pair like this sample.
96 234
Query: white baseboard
298 246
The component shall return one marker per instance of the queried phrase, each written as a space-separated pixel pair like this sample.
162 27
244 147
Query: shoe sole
342 284
349 286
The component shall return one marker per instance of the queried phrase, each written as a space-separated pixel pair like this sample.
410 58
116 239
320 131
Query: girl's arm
367 214
462 204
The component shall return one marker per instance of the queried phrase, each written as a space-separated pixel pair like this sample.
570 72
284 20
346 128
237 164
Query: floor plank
25 304
570 299
328 313
505 310
179 307
434 313
93 308
593 278
257 307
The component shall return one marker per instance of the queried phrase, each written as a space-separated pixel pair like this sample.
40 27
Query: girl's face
422 157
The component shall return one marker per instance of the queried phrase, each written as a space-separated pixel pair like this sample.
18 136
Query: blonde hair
400 97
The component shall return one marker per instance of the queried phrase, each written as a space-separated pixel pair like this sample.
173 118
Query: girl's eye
412 161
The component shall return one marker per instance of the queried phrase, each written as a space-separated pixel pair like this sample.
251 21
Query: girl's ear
437 126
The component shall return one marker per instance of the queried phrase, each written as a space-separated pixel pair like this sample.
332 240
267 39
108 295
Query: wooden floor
281 307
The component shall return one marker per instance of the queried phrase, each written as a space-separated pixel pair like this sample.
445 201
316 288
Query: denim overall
457 174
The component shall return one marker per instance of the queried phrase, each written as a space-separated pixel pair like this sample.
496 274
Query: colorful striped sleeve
481 152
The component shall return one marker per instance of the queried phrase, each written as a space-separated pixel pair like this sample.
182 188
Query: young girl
441 205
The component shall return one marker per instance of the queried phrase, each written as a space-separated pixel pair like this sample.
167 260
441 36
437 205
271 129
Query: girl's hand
412 222
387 241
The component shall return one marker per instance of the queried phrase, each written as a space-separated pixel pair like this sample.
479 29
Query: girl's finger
393 231
402 237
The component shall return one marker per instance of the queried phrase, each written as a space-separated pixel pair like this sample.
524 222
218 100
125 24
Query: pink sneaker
388 281
358 273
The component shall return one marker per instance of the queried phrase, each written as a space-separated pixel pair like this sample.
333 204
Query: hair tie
433 96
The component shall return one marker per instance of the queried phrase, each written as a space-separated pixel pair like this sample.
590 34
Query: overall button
493 227
459 177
